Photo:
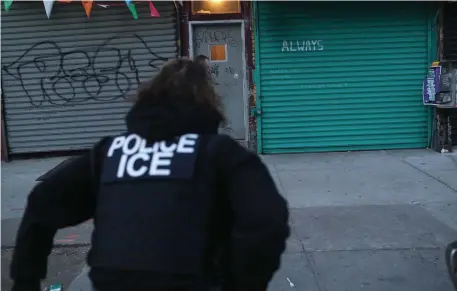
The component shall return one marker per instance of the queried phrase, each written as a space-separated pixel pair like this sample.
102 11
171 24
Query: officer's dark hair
201 58
181 81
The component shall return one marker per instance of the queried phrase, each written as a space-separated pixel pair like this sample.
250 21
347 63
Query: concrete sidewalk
368 221
18 178
361 220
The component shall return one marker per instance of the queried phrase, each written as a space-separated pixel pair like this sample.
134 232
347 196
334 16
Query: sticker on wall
431 86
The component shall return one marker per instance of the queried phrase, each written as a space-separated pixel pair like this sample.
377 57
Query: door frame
240 22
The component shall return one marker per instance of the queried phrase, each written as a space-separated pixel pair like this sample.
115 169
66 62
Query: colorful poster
431 86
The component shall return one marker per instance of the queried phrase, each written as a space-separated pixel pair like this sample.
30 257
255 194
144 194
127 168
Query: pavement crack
277 176
374 250
431 176
312 266
454 160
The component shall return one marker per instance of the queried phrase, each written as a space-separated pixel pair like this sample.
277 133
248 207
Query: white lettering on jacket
138 159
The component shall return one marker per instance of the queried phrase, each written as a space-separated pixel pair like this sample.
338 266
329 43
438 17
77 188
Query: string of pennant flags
87 5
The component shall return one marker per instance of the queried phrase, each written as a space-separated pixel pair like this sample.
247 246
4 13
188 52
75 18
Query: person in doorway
167 198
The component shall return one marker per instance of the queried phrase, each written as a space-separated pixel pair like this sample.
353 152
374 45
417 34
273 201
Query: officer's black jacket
256 220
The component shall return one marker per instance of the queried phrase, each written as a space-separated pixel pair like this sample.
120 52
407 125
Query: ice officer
166 197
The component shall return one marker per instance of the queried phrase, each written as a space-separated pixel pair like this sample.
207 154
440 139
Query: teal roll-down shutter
342 76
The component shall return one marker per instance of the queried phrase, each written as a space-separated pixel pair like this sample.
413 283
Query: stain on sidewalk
78 235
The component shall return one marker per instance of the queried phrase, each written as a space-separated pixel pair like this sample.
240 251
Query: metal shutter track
363 91
450 51
39 123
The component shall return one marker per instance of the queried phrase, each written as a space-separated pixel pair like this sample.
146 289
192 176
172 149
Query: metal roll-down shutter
65 78
345 76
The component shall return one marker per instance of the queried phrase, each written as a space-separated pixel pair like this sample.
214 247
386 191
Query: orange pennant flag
153 10
87 4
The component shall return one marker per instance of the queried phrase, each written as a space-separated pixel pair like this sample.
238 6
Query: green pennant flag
7 4
132 9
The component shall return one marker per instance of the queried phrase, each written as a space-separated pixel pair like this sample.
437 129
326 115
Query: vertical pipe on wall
178 29
184 28
247 14
252 121
4 141
436 115
4 150
255 12
440 31
433 19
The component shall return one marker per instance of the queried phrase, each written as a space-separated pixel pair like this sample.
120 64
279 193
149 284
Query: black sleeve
64 199
261 216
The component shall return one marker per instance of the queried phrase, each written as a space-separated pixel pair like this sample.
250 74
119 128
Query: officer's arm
64 199
261 218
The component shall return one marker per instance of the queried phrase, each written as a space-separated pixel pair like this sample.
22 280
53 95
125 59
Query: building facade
65 79
293 76
345 78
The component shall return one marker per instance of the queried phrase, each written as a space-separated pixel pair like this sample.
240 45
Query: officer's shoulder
224 142
101 144
228 148
103 141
